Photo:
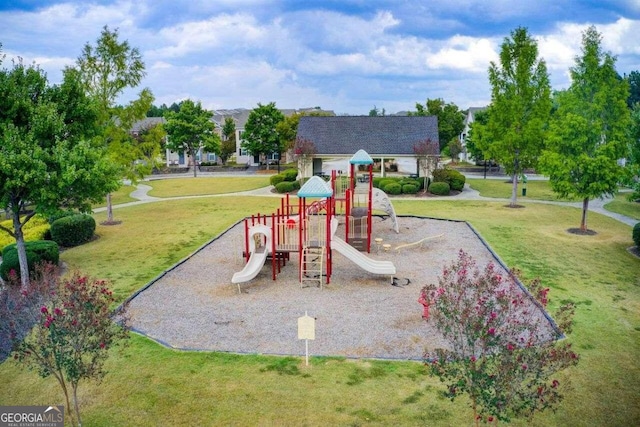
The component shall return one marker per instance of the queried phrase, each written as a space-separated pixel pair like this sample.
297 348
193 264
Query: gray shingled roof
386 135
147 123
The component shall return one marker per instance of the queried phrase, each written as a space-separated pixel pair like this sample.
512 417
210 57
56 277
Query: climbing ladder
311 265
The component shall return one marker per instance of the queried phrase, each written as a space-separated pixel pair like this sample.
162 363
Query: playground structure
309 227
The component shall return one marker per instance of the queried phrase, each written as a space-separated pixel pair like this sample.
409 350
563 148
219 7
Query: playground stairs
311 268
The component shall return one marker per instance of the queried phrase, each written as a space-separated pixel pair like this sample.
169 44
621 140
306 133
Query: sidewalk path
595 205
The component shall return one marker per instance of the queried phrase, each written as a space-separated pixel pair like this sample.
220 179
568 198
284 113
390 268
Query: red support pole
347 215
273 248
246 239
370 209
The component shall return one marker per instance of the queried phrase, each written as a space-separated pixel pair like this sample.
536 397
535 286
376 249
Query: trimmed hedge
286 186
452 177
36 228
636 234
37 251
440 188
276 179
73 230
290 174
409 189
393 188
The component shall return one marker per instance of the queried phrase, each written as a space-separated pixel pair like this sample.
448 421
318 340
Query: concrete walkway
595 205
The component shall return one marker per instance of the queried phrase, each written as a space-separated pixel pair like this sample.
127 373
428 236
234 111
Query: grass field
119 196
205 185
621 205
149 384
501 188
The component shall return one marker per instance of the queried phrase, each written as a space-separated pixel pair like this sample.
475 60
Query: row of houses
383 137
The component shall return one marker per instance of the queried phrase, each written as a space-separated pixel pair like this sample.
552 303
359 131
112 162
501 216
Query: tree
149 143
47 159
450 119
502 354
427 153
191 129
521 104
228 144
634 153
634 88
107 70
260 135
589 131
375 112
477 136
74 333
455 148
303 151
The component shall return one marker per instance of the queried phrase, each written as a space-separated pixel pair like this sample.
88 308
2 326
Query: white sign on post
306 332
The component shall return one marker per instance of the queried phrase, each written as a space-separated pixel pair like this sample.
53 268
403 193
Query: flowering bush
502 353
73 335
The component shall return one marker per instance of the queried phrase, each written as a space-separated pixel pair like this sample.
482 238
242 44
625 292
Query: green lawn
118 197
536 190
149 384
621 205
200 186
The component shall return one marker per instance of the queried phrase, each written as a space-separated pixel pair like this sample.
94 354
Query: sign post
306 332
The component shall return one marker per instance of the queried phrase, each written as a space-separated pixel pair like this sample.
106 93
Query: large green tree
634 88
589 131
520 108
228 143
47 158
191 129
108 69
260 135
634 153
450 119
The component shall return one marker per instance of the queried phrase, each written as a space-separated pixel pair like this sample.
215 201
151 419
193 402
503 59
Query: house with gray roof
384 137
468 120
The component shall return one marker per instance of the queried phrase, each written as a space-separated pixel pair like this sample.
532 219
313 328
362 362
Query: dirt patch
580 232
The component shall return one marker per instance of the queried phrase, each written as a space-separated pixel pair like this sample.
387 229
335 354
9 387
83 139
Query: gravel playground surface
358 315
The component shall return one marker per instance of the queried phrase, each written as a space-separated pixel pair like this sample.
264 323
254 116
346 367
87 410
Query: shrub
386 181
409 189
439 188
37 251
73 230
290 174
393 188
636 234
456 180
376 181
285 186
35 229
452 177
60 214
276 179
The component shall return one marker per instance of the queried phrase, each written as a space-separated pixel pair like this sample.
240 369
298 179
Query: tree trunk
585 209
193 160
22 251
109 209
514 190
75 403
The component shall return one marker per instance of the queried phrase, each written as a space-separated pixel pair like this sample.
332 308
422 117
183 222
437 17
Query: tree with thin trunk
73 336
589 132
191 129
48 157
520 107
427 152
108 69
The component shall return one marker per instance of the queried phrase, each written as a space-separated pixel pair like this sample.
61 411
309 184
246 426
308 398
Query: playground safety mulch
194 306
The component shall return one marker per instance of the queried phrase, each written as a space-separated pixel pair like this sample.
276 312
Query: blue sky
343 55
